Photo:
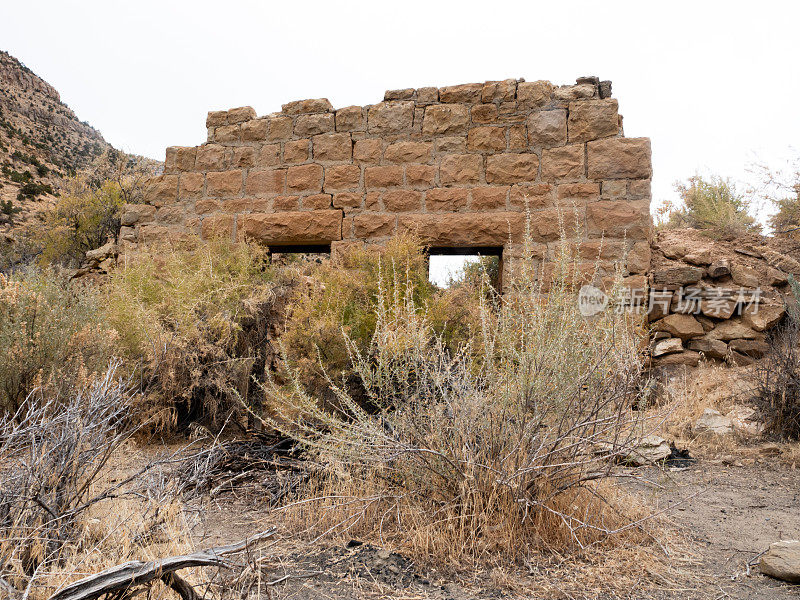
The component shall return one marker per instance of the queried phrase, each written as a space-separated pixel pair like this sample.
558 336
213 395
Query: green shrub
191 321
712 205
50 334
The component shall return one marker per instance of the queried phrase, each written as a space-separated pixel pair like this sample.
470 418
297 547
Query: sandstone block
426 95
383 177
489 198
255 130
446 199
658 305
227 134
680 326
271 181
315 105
342 177
619 158
762 317
402 201
450 145
565 162
401 94
350 118
499 91
443 119
243 157
547 128
318 226
465 229
517 137
217 226
668 346
460 168
206 206
744 276
401 152
280 128
578 191
368 151
313 124
486 139
420 175
390 117
304 178
216 118
677 276
484 113
782 561
592 120
286 203
531 196
296 151
241 114
619 219
332 147
709 348
732 329
224 183
751 348
466 92
191 185
269 155
211 157
614 189
534 93
316 201
370 225
568 93
511 168
347 200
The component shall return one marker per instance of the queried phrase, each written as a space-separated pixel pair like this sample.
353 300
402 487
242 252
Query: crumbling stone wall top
462 165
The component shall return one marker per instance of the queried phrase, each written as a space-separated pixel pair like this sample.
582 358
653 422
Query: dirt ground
730 509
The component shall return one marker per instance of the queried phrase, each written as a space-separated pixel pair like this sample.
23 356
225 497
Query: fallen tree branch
126 576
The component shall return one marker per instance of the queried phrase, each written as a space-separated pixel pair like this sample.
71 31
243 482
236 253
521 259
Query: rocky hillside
41 142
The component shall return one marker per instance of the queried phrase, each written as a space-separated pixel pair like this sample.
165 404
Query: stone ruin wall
457 164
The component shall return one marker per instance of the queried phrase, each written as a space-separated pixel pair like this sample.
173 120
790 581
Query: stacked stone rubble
715 300
461 165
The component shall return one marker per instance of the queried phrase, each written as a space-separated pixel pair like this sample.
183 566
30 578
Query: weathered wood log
128 575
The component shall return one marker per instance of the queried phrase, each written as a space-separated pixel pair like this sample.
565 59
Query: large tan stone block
280 128
255 130
402 201
350 118
241 114
420 175
217 226
286 203
383 177
486 139
511 168
460 168
534 93
296 151
224 183
313 105
371 225
191 185
271 181
547 128
305 227
211 157
304 178
578 191
347 200
269 155
443 119
484 113
401 152
565 162
216 118
228 134
333 147
592 120
619 158
313 124
531 196
316 201
619 219
465 92
390 117
342 177
499 91
368 151
446 199
465 229
489 198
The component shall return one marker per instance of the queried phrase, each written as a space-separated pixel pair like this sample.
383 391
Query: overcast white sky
714 84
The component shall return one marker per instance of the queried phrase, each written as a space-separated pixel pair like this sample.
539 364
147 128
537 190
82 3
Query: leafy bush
50 334
193 319
461 454
712 205
340 299
33 189
80 222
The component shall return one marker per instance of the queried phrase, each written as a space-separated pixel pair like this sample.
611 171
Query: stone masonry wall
457 164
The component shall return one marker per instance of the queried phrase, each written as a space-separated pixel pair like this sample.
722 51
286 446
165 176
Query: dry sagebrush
456 457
